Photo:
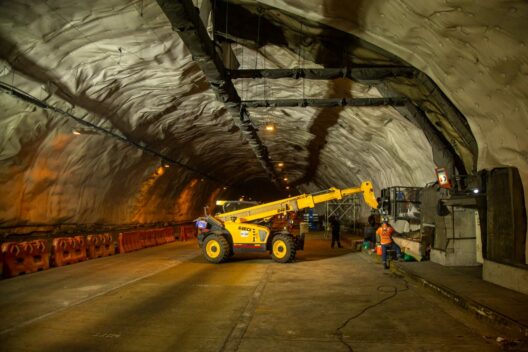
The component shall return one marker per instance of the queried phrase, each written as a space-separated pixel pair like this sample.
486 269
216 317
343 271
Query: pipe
357 73
326 103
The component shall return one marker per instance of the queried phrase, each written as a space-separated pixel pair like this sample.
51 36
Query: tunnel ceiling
117 73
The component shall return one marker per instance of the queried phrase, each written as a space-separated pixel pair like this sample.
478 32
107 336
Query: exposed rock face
120 66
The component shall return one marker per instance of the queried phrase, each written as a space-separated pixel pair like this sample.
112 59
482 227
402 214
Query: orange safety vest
385 234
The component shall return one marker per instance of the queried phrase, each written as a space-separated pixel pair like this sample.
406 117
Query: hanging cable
213 20
258 46
226 17
299 60
19 94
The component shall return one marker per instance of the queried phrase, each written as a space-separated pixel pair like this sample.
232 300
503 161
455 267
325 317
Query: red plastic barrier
169 234
61 251
94 246
25 257
69 250
14 259
40 258
129 241
79 249
132 241
148 238
122 243
100 245
160 237
108 245
186 232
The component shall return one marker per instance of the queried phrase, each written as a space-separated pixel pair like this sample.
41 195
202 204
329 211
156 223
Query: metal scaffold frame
342 207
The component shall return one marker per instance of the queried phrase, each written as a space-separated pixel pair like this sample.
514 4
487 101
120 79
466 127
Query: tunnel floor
168 298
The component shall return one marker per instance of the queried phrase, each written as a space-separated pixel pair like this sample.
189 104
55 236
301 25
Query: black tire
283 248
215 249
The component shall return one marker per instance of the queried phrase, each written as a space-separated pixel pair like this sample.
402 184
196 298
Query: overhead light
287 187
476 190
75 132
281 164
270 127
202 179
225 188
285 179
166 165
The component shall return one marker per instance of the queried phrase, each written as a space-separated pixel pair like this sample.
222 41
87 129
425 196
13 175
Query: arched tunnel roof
102 94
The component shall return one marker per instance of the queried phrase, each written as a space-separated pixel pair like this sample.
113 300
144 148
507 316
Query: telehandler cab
225 234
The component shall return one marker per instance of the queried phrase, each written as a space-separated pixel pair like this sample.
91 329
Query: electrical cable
257 50
383 288
19 94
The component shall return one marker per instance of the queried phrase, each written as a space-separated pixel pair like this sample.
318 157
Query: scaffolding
340 208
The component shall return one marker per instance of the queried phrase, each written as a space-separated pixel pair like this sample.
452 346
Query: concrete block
461 253
511 277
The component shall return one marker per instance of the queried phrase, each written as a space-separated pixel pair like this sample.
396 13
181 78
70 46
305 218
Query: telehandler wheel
215 248
283 249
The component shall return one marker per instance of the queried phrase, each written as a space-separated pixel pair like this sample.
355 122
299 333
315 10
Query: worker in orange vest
385 232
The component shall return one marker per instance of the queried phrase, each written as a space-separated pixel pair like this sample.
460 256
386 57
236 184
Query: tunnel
219 175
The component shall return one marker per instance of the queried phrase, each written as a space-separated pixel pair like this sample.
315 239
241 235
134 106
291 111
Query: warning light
443 178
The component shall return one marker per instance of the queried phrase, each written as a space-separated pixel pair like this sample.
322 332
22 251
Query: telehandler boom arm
296 203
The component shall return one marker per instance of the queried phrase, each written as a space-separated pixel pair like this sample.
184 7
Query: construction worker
336 226
385 232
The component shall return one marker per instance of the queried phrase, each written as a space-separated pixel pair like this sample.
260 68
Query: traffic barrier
169 234
18 258
149 238
79 249
135 240
108 245
99 246
161 237
69 250
14 259
94 246
61 251
39 259
24 257
143 239
129 241
186 232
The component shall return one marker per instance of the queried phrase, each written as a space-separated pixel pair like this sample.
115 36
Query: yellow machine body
247 235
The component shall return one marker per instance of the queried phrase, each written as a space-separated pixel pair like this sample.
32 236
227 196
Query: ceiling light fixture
285 179
281 164
270 127
75 132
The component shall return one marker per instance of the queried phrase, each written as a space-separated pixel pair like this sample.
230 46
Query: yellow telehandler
243 230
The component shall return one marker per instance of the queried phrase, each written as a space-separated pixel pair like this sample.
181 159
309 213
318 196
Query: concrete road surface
168 298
